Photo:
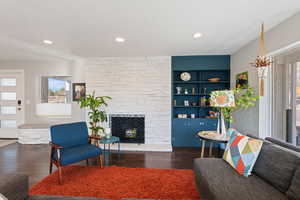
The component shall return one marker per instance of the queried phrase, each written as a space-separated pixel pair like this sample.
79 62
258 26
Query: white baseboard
140 147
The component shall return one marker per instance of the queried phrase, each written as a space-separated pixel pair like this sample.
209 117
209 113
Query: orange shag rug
120 182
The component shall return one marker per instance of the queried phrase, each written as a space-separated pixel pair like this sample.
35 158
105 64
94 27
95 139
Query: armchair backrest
69 135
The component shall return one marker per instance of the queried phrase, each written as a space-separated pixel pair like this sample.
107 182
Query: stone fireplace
139 87
129 128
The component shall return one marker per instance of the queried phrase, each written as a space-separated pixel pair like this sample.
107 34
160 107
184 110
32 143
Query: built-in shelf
198 89
191 107
200 82
191 94
195 118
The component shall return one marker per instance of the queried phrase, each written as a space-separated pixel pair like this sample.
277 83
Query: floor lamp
221 99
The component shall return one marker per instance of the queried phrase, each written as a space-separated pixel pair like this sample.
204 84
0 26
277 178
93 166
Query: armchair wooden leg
101 161
51 166
60 175
87 162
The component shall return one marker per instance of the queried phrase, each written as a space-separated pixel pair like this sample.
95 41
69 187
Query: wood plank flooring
33 160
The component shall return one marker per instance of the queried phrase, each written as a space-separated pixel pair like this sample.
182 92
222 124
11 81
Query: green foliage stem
96 114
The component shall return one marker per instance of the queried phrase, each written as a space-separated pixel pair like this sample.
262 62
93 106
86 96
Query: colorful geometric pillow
230 131
241 153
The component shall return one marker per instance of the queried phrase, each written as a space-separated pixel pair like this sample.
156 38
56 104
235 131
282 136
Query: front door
11 102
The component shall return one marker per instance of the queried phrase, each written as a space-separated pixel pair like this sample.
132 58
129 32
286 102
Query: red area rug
120 182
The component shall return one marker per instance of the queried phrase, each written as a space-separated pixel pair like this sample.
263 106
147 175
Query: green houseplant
96 113
244 99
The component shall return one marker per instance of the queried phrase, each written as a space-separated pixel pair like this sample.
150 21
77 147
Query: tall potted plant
96 113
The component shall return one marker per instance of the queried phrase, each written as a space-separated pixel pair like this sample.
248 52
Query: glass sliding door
295 102
286 98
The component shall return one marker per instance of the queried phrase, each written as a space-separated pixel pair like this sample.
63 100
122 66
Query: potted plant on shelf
96 113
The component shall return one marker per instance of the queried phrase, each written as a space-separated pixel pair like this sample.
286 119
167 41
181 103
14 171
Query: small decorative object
242 80
193 91
262 62
174 103
194 104
212 114
193 116
202 101
79 91
184 115
203 91
108 133
179 116
222 99
178 90
186 103
185 76
214 79
186 91
96 114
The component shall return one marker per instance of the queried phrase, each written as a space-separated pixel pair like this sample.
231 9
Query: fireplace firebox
129 128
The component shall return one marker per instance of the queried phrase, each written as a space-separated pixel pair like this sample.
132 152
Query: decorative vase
108 133
178 90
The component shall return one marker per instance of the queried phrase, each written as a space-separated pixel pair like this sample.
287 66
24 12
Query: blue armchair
70 144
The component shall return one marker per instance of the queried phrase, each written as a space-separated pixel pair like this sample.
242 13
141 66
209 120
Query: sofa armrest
14 186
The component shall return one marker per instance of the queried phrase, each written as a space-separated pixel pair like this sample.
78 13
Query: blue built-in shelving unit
201 68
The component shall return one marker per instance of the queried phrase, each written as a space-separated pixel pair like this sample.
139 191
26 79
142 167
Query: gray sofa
276 176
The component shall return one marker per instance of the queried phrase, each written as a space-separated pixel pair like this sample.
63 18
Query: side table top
110 140
213 136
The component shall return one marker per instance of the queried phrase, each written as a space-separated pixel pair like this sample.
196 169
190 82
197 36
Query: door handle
19 104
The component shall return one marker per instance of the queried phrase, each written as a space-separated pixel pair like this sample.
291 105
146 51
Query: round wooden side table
211 137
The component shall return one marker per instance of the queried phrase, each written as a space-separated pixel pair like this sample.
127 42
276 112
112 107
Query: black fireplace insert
129 128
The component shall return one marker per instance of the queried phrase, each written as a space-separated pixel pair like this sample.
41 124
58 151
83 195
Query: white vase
108 133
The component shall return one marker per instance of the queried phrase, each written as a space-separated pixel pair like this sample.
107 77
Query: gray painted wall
33 70
284 34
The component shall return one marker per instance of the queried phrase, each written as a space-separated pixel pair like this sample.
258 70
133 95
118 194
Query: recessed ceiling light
197 35
47 41
120 39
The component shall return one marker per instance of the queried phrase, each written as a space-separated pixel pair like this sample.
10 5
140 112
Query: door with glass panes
11 102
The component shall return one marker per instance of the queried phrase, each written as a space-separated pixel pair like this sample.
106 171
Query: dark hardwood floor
33 160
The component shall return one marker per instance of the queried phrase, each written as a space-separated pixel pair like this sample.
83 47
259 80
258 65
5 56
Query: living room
149 100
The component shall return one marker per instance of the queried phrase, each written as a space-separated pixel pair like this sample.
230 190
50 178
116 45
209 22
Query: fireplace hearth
129 128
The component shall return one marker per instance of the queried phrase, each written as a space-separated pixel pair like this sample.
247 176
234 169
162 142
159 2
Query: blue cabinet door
184 133
180 132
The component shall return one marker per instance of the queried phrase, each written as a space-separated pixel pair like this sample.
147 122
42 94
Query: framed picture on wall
242 80
79 90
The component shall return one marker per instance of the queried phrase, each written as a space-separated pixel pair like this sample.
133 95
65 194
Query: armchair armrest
94 138
55 146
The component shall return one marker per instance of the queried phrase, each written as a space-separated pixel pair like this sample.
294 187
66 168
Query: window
56 89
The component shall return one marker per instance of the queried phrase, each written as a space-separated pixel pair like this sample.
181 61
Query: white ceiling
87 28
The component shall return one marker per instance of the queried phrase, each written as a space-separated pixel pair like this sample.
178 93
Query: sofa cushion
241 153
277 165
216 179
283 144
78 153
294 190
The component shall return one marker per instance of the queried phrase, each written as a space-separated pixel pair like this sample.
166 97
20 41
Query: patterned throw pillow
231 131
241 153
